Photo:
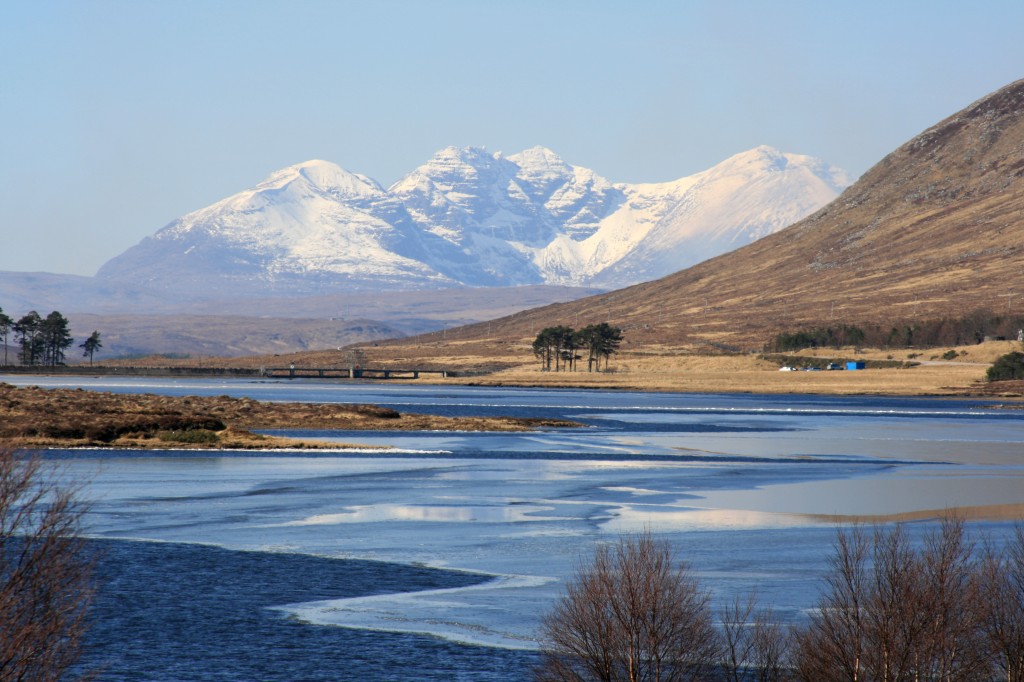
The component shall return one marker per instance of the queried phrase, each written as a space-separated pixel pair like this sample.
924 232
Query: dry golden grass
680 369
664 367
939 380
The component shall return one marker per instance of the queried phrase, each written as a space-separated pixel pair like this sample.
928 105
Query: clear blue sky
117 116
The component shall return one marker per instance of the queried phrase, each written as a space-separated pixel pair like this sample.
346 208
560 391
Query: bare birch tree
892 614
1001 606
755 646
45 574
953 647
633 613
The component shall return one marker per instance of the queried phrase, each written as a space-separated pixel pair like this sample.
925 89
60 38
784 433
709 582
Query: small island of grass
33 418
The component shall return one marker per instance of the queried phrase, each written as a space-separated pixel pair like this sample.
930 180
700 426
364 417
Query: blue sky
117 116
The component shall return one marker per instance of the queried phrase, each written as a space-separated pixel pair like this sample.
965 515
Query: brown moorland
32 417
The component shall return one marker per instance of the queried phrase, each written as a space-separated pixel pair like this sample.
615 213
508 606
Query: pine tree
91 345
600 340
56 338
5 329
26 331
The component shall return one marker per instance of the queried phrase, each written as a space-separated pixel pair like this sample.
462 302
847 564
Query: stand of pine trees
40 340
561 346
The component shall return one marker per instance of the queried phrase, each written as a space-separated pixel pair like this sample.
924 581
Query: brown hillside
936 228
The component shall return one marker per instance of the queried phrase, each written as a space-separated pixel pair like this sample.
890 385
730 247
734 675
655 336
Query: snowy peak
324 177
471 217
540 162
761 157
764 160
453 169
562 189
540 173
303 226
526 198
463 191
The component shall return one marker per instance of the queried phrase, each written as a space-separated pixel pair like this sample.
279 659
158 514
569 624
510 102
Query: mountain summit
468 217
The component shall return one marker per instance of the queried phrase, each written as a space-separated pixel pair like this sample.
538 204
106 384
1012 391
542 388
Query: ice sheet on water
475 615
527 507
526 521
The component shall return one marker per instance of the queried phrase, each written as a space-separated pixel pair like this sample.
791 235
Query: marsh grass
196 436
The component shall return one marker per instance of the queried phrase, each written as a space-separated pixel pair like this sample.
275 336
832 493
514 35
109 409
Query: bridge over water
290 372
294 372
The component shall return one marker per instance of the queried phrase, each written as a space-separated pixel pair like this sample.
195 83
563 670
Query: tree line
43 340
889 611
946 331
561 345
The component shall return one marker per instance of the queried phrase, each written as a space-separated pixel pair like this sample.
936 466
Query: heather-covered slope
934 229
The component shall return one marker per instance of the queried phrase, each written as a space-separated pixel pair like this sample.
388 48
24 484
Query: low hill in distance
202 336
276 325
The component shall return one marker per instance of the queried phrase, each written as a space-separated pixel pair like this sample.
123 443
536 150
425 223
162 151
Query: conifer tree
56 338
5 330
91 345
26 331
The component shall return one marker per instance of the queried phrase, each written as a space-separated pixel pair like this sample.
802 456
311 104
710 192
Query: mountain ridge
468 217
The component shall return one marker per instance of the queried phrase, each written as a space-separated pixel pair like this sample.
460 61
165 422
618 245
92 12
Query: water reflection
894 491
635 519
430 513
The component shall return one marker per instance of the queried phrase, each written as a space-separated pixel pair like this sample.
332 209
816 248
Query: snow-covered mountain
746 197
306 224
473 218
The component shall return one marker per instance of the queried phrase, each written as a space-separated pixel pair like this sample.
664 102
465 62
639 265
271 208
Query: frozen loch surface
745 487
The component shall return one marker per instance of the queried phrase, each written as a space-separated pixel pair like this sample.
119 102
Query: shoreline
925 382
33 418
867 383
923 372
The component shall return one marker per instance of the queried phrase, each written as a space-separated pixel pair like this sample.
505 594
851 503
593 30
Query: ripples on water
170 612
